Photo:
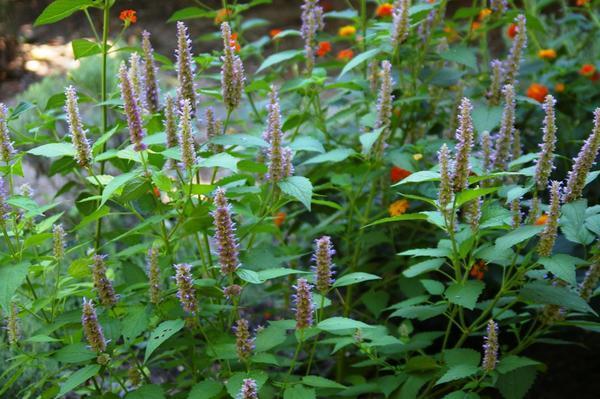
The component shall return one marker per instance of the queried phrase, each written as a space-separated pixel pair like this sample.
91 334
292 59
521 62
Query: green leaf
465 294
78 378
299 392
147 392
354 278
84 48
163 332
11 278
207 389
419 177
134 324
341 323
406 216
543 293
298 187
53 150
424 267
278 58
307 143
74 353
572 222
455 357
458 372
320 382
116 183
562 266
190 13
270 274
242 140
461 55
461 395
467 195
337 155
60 9
368 139
432 252
486 118
513 362
269 338
359 59
249 276
517 236
221 160
515 384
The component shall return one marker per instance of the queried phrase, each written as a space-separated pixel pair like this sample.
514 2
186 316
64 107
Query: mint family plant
393 221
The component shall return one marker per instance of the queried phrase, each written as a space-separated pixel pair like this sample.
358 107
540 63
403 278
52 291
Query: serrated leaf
455 357
337 155
249 276
74 353
163 332
11 278
572 222
299 392
207 389
458 372
517 236
543 293
513 362
307 143
562 266
221 160
341 323
486 118
78 378
461 55
53 150
515 384
465 293
421 312
354 278
298 187
423 267
116 183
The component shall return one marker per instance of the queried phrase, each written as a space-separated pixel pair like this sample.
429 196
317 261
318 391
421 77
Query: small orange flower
384 10
274 32
222 15
581 3
279 219
475 25
399 207
397 174
156 192
537 91
347 31
345 55
541 220
512 31
483 14
547 54
128 16
587 70
324 49
478 270
234 42
559 87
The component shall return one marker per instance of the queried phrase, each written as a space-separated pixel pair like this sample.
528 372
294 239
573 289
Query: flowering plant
401 219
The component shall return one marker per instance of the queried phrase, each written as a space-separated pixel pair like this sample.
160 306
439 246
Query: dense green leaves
163 332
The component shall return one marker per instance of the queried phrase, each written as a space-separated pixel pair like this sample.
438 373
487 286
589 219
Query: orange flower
398 208
128 16
587 70
475 25
384 10
512 31
559 87
324 49
279 219
347 31
581 3
222 15
274 32
537 91
547 54
345 55
156 192
478 270
397 174
483 14
234 42
541 220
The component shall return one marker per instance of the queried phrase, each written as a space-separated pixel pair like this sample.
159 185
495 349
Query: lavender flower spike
170 122
446 193
102 284
12 325
186 138
287 156
151 95
4 207
548 235
464 136
83 152
505 135
232 71
400 22
6 146
244 343
304 304
58 241
185 67
137 80
249 389
513 62
323 268
186 292
544 166
225 234
153 276
583 163
132 110
91 327
384 107
274 136
495 92
312 21
490 347
590 281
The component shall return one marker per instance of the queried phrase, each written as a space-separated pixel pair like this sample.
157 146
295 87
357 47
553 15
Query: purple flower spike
186 292
490 347
323 268
91 327
304 304
6 146
83 152
225 234
185 67
102 284
150 72
312 22
544 165
244 343
464 136
232 71
132 110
